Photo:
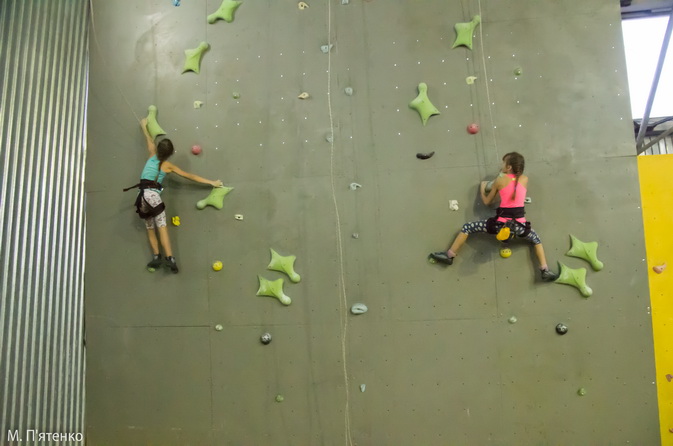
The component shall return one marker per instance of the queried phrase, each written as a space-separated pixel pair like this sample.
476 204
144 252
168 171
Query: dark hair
517 163
164 149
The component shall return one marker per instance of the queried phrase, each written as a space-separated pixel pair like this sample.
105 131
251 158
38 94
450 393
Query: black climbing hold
561 329
424 156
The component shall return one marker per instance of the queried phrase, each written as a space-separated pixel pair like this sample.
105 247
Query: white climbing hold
198 104
302 5
512 320
345 2
359 309
304 95
348 91
355 186
453 205
238 217
527 200
470 79
218 327
362 387
326 48
355 235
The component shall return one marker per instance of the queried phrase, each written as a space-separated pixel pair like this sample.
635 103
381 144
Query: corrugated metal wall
43 93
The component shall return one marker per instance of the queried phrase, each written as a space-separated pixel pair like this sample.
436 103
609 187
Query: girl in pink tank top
511 186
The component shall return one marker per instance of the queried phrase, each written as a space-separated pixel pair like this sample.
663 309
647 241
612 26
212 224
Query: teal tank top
151 169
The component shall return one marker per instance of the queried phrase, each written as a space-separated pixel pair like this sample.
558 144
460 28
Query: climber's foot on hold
548 275
155 263
440 257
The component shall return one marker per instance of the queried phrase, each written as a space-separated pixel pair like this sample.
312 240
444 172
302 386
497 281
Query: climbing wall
436 359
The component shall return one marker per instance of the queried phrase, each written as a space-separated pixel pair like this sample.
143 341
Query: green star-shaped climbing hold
153 126
586 251
464 32
422 104
193 58
273 289
225 12
574 277
215 198
284 264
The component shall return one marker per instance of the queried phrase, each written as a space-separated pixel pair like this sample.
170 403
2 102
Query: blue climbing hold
176 2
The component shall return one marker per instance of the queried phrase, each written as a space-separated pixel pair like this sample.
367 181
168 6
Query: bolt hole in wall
643 36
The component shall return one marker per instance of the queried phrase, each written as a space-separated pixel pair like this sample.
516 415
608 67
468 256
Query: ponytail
516 183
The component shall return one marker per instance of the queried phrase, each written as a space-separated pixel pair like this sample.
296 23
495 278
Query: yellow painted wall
656 189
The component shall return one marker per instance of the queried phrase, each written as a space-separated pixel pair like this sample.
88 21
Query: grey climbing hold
512 320
329 138
348 91
355 186
326 48
359 309
355 235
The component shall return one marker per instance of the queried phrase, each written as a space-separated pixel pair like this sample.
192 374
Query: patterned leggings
473 227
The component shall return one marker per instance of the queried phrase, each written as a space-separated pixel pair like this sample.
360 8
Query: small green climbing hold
235 95
224 12
273 289
518 72
280 398
585 251
284 264
422 104
575 277
464 32
193 58
512 320
215 198
153 127
582 391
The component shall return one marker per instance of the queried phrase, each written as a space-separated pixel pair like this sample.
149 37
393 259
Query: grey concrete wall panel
43 79
440 362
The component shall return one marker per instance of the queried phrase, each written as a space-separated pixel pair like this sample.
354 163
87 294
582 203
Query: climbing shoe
155 263
548 275
170 262
441 257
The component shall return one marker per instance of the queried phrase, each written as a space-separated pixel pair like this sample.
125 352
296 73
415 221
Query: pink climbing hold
669 377
659 268
473 129
196 150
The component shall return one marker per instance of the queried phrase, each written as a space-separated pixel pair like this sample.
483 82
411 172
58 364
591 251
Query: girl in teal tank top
149 203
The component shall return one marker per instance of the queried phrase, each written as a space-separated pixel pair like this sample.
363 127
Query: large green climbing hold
153 126
224 12
273 289
464 32
284 264
574 277
193 58
422 104
215 198
585 251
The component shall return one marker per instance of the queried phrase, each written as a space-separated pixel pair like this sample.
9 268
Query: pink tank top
506 200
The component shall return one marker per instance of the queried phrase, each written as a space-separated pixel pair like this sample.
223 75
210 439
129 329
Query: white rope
100 52
486 81
343 303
